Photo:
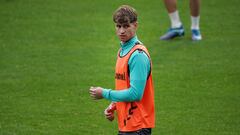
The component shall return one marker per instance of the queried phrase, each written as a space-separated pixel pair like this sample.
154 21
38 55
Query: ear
136 24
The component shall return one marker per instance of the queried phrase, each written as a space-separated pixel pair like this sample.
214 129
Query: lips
122 36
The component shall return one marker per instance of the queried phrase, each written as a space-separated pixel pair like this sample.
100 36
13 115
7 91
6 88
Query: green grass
51 52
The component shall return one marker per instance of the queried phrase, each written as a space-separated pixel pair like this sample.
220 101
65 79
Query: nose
122 30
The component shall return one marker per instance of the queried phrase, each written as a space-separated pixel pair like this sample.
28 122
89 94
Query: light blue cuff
106 93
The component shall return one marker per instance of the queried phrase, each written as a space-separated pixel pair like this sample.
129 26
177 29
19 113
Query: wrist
106 93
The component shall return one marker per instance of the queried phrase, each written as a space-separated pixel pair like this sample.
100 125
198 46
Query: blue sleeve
139 67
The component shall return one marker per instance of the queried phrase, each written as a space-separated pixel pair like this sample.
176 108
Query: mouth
122 36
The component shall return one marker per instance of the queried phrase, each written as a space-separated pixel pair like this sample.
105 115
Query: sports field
52 51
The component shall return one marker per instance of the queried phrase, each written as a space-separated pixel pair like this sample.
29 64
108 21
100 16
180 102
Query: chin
123 40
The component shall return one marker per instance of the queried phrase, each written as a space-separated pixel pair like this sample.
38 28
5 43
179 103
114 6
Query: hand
109 111
109 115
96 92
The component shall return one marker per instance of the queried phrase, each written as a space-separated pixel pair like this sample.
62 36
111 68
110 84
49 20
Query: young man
133 97
177 29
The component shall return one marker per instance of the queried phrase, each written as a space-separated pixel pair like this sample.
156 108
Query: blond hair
125 14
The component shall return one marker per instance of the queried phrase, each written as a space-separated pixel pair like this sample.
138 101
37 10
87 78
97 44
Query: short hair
125 14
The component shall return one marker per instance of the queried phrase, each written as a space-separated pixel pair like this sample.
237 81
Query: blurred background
52 51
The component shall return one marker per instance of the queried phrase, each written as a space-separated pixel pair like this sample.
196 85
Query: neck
128 40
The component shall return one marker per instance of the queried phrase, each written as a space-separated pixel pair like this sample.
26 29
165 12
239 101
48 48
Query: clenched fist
109 111
96 92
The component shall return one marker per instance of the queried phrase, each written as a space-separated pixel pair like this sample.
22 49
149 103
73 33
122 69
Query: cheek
132 32
117 31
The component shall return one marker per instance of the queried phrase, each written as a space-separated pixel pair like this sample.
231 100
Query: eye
126 26
118 26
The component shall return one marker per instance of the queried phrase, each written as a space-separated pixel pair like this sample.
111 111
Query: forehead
124 24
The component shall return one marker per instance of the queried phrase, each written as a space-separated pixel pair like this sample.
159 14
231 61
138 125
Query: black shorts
144 131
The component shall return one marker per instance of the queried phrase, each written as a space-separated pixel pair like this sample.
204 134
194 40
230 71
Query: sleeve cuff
106 93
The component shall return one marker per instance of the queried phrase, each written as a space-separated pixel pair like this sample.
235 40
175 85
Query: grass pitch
51 52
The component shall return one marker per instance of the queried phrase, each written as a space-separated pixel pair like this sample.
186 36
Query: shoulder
139 56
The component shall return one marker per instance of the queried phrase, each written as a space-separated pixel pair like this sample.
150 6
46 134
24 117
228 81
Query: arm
139 65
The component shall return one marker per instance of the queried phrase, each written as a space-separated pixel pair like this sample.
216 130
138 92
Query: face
125 31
